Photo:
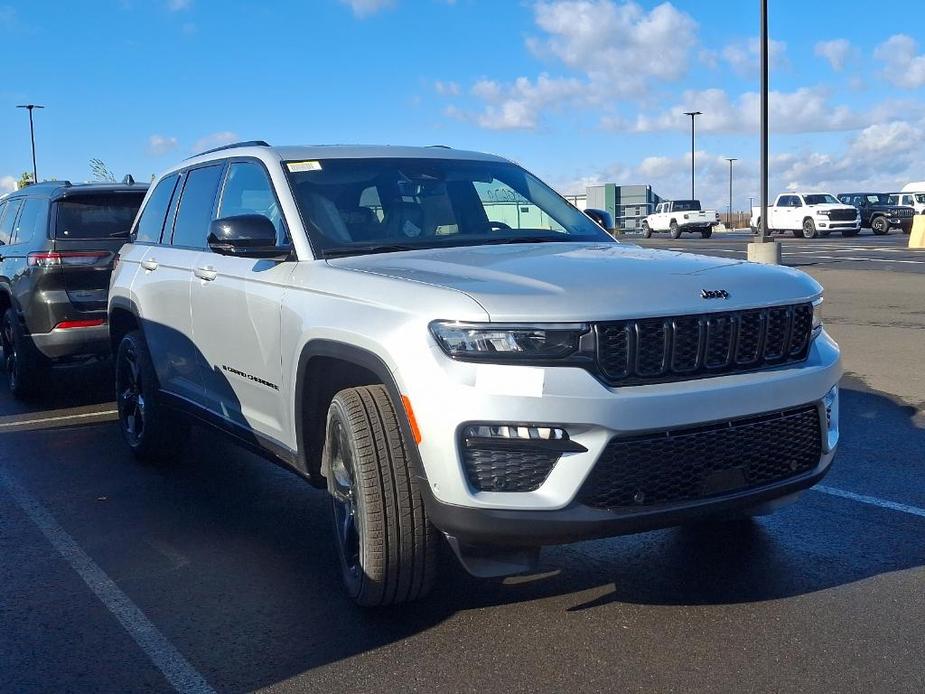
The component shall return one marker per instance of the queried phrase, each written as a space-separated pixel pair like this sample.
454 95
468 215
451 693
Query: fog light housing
830 403
512 457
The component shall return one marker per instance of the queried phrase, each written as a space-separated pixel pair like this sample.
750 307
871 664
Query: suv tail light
65 258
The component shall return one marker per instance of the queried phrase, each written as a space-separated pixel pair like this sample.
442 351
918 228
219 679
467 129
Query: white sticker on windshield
300 166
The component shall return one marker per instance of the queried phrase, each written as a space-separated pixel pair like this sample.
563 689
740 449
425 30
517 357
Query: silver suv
451 349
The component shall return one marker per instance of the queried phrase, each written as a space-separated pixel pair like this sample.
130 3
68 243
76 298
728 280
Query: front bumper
576 522
447 395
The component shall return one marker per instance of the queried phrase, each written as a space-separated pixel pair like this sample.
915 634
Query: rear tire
674 230
880 226
22 360
646 230
152 432
809 229
386 546
706 233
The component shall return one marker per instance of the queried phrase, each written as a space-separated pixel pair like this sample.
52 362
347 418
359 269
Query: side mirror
600 217
245 236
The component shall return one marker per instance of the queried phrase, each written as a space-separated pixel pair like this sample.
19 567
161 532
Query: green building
629 205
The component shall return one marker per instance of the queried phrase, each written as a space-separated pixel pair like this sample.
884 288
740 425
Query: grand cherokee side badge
714 294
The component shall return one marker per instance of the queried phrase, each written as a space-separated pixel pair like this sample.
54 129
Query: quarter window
249 191
33 221
191 228
151 223
6 224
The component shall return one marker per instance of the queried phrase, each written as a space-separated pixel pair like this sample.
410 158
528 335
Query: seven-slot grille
693 463
653 350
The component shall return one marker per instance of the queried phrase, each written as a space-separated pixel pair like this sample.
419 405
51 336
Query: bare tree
100 172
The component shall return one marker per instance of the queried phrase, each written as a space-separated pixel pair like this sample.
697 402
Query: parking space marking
163 655
48 420
872 500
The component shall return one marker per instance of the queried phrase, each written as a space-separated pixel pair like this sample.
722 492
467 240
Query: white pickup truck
679 216
808 215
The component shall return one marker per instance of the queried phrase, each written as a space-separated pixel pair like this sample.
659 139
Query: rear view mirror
600 217
245 236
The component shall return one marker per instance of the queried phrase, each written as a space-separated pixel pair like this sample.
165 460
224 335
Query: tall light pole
765 237
730 160
30 107
693 115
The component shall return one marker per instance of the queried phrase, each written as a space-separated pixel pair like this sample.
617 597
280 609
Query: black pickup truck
878 214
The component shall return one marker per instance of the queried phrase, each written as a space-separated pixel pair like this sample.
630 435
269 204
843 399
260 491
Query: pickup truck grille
684 465
843 215
658 350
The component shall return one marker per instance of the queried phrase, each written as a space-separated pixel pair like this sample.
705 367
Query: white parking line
179 673
64 418
873 501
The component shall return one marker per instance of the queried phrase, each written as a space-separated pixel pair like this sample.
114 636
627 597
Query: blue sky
579 92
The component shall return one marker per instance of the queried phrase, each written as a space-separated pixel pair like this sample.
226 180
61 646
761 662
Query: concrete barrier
917 237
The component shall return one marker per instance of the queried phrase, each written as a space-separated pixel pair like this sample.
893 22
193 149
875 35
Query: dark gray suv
58 242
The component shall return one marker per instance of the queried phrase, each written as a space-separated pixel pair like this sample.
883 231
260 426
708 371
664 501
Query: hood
590 282
895 210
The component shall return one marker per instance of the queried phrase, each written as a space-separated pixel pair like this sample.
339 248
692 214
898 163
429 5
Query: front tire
674 230
386 546
809 229
646 230
880 226
151 431
20 357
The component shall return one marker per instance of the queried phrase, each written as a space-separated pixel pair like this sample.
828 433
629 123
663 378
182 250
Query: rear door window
33 221
6 223
96 216
197 202
151 223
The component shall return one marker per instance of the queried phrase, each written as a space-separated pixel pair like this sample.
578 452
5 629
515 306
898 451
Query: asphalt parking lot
217 573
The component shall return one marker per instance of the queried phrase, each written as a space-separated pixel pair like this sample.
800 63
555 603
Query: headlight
487 342
817 318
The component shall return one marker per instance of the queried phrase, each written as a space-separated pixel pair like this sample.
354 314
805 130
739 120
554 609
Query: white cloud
161 144
178 5
226 137
836 51
805 110
743 56
904 67
7 184
446 88
365 8
616 49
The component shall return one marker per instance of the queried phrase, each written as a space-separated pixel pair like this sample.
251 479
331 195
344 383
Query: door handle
149 265
206 274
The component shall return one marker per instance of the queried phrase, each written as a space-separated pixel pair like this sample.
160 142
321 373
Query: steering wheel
498 225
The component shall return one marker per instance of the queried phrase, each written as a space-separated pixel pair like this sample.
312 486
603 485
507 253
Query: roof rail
233 145
57 184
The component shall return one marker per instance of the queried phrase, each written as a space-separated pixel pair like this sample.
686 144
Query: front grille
654 350
842 215
694 463
505 470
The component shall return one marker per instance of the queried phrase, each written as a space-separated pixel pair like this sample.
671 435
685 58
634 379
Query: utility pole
693 115
730 160
763 249
30 107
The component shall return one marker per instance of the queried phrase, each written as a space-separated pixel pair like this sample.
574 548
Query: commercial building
629 205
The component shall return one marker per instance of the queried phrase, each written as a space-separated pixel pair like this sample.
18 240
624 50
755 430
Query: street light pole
763 250
30 107
693 115
730 160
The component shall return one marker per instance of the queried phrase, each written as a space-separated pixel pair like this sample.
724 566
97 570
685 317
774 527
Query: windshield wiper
529 239
342 251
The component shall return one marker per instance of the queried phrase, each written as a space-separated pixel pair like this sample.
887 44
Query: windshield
356 206
824 199
878 198
686 206
97 216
